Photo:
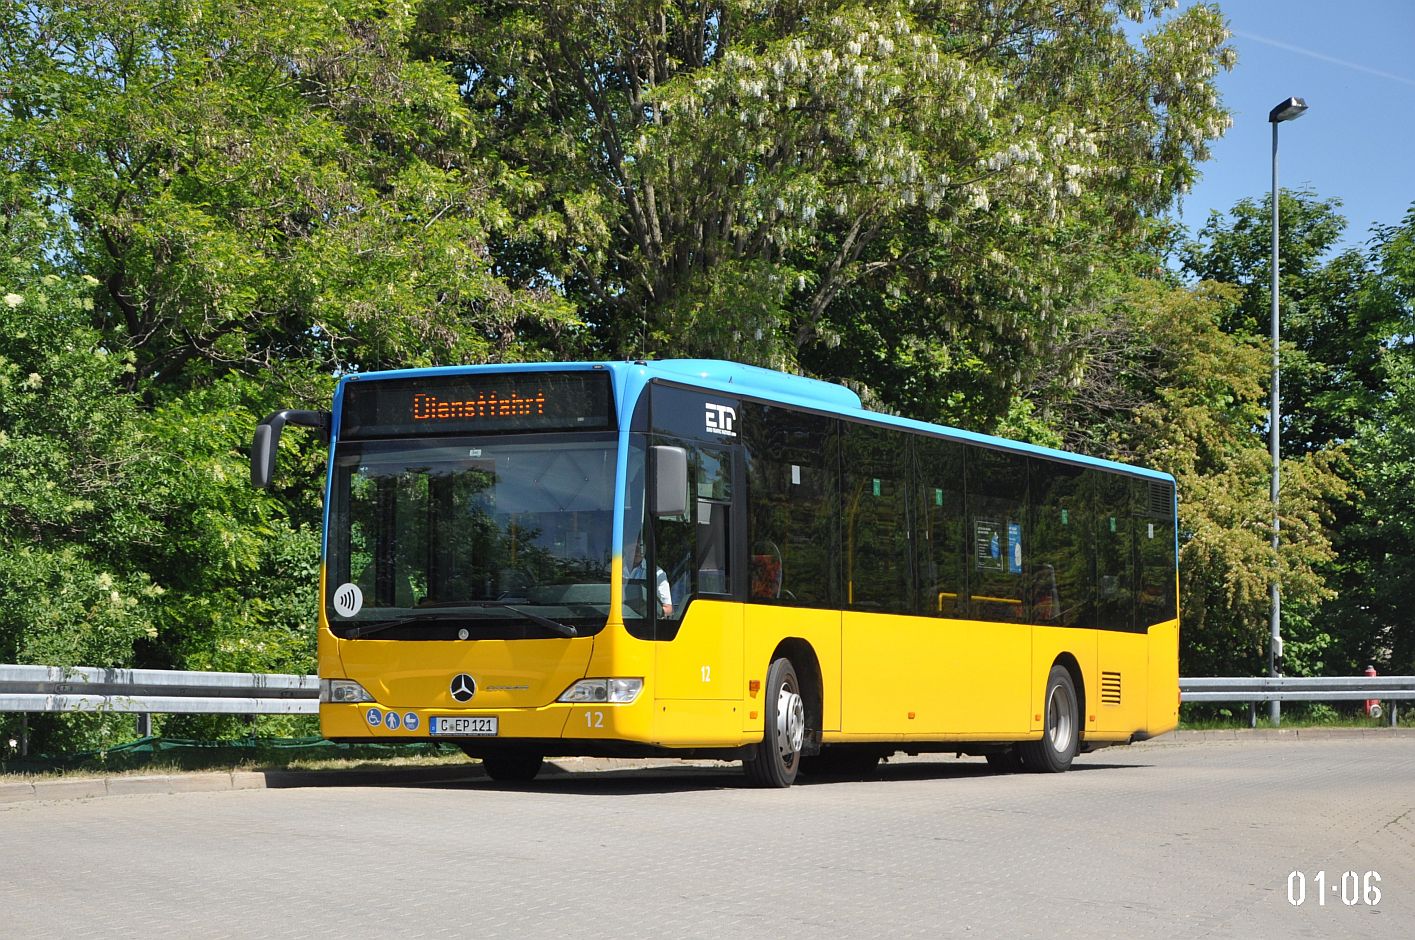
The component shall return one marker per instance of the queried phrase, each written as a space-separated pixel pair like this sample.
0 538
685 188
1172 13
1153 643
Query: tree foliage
1159 380
252 188
1347 325
867 190
210 211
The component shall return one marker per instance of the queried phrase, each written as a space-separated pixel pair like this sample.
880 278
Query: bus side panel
698 690
1048 644
765 627
704 661
895 679
1120 699
1164 678
986 676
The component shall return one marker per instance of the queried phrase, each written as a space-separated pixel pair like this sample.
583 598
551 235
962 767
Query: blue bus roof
735 378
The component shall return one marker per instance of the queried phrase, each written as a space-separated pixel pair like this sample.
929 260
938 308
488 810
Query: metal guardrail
84 688
1320 689
1388 689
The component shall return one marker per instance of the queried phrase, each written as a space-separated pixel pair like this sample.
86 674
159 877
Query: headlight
612 691
343 691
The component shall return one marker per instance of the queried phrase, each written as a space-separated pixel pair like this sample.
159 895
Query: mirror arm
266 442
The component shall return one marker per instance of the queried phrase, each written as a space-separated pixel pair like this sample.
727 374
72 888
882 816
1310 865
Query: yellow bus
702 559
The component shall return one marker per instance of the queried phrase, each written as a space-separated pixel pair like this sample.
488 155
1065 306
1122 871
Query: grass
1294 715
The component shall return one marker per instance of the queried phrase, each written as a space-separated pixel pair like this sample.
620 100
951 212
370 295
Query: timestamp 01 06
1351 887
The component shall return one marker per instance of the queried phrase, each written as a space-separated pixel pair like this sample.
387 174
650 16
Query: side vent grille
1161 499
1110 688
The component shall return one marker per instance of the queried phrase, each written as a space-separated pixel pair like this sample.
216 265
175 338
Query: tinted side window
942 564
792 516
1061 582
997 536
1154 540
877 519
1115 577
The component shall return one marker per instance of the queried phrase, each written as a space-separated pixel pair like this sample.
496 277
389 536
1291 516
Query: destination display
461 404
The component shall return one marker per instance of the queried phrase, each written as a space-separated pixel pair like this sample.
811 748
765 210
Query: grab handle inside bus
670 491
266 442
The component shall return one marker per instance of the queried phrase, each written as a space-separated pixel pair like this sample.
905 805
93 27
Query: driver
639 573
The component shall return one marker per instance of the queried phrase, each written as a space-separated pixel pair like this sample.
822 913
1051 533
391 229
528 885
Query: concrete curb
1268 735
87 788
94 787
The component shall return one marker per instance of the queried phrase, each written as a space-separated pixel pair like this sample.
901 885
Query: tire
778 758
1006 762
1061 732
512 766
842 760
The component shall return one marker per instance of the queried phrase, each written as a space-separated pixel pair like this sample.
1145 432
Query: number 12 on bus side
1352 888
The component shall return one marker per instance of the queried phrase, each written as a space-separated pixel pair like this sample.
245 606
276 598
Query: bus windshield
471 537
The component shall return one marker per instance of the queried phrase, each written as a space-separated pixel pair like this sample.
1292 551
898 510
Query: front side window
793 511
674 558
472 535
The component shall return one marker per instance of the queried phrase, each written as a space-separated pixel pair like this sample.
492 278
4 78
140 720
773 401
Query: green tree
207 211
251 188
1375 569
1336 317
1347 325
1157 379
889 193
129 535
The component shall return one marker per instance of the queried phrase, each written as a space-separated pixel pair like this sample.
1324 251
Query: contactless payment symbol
375 717
410 721
348 599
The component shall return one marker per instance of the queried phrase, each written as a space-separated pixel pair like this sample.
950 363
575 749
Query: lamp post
1288 110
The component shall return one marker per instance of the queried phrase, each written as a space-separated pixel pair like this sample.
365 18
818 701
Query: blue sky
1354 63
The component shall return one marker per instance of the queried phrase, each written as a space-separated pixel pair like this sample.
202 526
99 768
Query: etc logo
719 420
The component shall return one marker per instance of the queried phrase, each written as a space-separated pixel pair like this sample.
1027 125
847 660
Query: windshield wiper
380 626
554 626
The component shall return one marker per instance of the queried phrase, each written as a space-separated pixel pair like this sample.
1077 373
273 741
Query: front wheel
778 757
1061 737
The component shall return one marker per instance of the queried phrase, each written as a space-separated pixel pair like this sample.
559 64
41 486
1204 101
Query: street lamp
1289 110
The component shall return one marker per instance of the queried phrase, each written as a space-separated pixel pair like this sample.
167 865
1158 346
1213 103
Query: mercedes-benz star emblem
463 687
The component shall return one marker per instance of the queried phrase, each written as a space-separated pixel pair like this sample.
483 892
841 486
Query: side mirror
670 491
266 442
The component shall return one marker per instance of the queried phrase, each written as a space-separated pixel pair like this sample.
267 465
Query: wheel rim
790 723
1061 727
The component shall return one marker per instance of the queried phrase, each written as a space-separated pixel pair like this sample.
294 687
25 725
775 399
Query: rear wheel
1061 737
512 766
778 757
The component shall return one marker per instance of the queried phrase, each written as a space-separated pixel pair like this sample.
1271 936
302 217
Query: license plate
465 727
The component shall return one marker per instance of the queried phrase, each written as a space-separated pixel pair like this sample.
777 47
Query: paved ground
1179 840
